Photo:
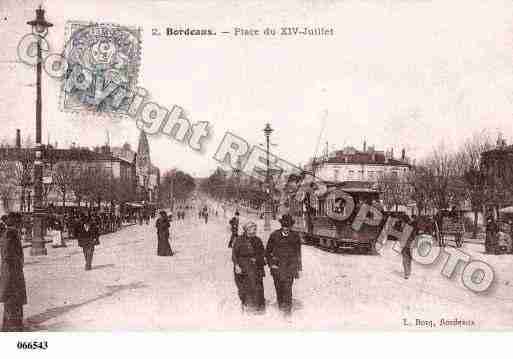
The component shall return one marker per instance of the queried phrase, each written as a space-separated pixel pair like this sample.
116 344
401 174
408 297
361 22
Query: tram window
321 211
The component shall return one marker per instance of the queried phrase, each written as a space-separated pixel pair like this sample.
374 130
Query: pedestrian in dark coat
205 214
492 231
13 291
146 215
163 246
87 236
283 254
248 255
406 251
76 226
234 226
95 230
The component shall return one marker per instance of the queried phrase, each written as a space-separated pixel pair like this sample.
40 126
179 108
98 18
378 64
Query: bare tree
79 182
469 161
419 181
63 178
24 170
444 174
8 183
394 190
122 191
98 184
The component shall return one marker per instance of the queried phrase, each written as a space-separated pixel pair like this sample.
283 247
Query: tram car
326 220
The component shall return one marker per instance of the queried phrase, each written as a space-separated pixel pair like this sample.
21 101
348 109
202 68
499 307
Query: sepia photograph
252 166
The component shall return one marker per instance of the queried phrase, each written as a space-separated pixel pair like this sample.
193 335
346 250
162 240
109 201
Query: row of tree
446 178
83 182
89 184
175 186
234 187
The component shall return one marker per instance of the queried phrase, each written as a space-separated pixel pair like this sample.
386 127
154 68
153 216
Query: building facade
496 167
64 171
352 165
147 175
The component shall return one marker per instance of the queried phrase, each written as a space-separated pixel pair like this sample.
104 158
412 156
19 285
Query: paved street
130 288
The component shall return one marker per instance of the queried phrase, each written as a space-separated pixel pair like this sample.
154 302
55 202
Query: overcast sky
398 73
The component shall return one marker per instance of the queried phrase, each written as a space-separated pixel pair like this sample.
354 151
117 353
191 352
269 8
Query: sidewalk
131 288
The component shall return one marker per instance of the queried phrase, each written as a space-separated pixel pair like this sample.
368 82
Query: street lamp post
40 28
267 215
237 176
172 192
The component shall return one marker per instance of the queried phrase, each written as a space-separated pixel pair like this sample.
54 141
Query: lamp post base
38 239
267 221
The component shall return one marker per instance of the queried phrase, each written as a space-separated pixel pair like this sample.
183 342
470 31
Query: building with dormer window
366 166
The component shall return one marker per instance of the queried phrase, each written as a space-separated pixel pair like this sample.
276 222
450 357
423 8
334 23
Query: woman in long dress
163 246
248 255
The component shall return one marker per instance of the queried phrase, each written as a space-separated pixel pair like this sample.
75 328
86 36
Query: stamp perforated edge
137 61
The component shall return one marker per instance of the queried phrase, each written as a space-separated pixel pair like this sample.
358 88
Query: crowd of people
86 226
281 254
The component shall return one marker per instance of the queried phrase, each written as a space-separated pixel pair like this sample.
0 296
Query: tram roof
356 189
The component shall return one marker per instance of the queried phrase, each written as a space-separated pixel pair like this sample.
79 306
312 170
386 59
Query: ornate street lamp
39 28
267 215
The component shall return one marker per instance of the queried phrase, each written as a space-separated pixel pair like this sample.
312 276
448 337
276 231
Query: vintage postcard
256 165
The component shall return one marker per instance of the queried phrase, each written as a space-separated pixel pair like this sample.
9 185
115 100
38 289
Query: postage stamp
103 63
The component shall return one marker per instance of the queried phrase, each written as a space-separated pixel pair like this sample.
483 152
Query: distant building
366 166
80 158
119 168
497 168
147 175
498 163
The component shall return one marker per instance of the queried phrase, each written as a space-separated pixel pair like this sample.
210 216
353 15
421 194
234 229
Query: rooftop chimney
18 138
403 155
364 145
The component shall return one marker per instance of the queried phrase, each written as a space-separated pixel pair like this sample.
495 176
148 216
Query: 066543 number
35 345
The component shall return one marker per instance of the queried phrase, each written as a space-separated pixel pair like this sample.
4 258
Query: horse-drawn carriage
450 225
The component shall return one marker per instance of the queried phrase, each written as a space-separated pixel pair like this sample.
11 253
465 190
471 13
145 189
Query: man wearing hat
283 254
